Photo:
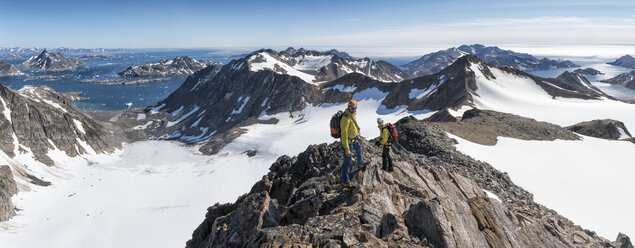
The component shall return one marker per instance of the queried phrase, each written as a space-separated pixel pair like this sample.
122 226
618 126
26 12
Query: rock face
212 104
7 70
182 65
435 198
36 120
624 61
47 61
484 126
625 79
434 62
588 71
605 129
7 189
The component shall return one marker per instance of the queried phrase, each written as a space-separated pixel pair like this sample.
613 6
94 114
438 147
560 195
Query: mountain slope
625 61
7 70
435 197
182 65
47 61
434 62
625 79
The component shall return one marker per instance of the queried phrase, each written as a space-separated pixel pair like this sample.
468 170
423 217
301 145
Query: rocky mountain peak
625 61
47 61
182 65
436 197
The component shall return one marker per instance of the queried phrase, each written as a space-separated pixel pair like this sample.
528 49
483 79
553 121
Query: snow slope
589 181
522 96
154 193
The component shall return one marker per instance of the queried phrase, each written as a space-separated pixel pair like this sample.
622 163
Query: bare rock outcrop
604 129
7 189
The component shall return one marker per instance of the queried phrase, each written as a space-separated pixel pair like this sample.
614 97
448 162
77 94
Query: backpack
392 132
335 124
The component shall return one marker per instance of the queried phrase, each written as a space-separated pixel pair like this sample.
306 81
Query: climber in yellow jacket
386 141
350 131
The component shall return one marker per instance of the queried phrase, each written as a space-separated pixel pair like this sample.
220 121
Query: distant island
121 81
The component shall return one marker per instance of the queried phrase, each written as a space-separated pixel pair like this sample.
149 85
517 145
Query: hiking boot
348 185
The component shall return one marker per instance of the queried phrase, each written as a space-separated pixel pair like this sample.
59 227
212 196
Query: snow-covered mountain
39 129
7 70
212 105
48 61
625 61
11 57
181 65
434 62
625 79
319 67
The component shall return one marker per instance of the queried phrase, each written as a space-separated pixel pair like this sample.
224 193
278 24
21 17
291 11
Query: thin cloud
353 20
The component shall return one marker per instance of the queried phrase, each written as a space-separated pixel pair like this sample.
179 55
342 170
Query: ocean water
102 97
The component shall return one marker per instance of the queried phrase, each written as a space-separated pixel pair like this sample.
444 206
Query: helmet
380 120
352 103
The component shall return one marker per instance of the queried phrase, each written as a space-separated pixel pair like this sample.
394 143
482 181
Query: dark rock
7 70
8 188
434 198
484 126
624 61
588 71
47 61
625 79
435 62
442 116
623 241
182 65
604 129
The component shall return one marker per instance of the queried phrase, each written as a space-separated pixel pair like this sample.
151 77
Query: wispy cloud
353 20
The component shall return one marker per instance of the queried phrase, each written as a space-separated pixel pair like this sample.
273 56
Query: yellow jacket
383 134
348 128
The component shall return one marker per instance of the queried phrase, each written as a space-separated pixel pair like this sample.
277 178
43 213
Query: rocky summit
182 65
434 62
7 70
625 61
48 61
625 79
436 197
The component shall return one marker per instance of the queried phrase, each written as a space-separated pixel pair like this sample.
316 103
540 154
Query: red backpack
392 132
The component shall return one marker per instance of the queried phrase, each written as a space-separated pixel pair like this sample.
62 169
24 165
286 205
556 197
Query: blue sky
406 24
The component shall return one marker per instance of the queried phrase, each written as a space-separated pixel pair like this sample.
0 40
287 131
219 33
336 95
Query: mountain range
181 65
434 62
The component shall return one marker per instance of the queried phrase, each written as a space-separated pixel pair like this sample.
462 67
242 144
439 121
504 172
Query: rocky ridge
436 197
48 61
626 61
484 126
8 70
625 79
434 62
181 65
604 129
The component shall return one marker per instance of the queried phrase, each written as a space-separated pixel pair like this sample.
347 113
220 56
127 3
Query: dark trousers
354 147
386 159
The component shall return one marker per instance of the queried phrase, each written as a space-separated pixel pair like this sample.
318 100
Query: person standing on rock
386 141
349 138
